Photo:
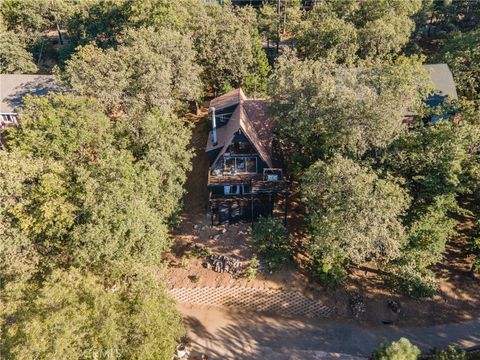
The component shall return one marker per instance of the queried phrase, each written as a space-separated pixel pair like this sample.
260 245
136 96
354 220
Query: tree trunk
60 37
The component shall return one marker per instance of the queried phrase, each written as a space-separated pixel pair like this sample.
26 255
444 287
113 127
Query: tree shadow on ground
247 335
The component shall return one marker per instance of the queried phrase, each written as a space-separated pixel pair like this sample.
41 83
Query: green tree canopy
271 241
426 240
462 53
345 31
225 40
437 159
328 37
14 56
279 18
451 353
24 15
353 214
322 108
227 44
97 21
106 202
85 207
148 69
159 145
77 314
268 23
179 15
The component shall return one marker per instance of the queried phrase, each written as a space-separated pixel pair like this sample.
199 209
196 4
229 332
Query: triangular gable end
254 145
257 134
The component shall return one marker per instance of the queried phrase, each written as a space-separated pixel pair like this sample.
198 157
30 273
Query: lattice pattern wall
256 299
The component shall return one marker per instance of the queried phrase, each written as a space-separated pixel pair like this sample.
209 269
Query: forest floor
457 300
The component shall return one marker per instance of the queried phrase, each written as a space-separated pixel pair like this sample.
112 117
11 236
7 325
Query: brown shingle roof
258 125
229 99
251 116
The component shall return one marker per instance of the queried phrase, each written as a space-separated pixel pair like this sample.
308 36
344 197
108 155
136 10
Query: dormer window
222 119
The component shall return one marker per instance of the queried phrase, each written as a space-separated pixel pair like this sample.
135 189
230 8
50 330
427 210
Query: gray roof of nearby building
444 83
13 87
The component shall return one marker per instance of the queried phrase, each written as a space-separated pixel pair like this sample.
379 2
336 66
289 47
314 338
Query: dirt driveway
224 334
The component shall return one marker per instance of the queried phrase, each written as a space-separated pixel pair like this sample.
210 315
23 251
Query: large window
241 164
251 165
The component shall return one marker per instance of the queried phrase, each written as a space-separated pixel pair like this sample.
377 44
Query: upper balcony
271 178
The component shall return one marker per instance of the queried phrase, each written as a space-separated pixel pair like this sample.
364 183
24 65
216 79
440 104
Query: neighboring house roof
13 87
251 116
443 82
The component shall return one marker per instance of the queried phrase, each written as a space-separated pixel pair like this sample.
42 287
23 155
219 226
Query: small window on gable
223 118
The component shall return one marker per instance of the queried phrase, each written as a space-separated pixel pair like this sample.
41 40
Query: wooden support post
230 213
286 209
251 208
210 205
270 203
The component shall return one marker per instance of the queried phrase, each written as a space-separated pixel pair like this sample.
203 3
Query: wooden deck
233 179
258 185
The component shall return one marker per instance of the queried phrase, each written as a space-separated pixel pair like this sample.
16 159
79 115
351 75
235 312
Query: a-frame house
244 176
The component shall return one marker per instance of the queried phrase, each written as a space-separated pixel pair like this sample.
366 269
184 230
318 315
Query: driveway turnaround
224 333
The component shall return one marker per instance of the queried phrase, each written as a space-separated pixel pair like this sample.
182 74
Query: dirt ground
458 298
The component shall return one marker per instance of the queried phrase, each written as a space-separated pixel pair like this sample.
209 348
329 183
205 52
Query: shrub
476 267
412 281
185 262
270 239
331 275
252 268
451 353
474 249
402 349
195 278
